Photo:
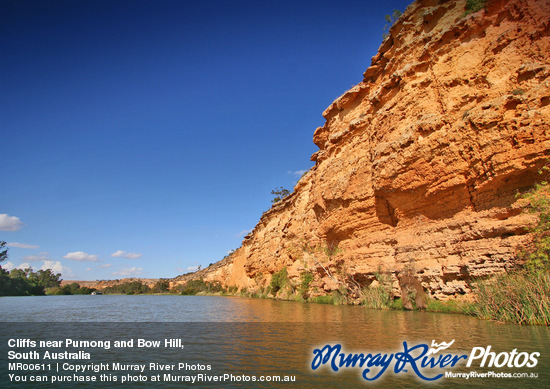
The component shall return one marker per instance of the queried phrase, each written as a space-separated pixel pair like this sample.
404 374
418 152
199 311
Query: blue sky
143 138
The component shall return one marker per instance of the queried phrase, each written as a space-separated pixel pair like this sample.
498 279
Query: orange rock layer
419 164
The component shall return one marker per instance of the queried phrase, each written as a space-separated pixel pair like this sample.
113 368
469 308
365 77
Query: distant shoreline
100 284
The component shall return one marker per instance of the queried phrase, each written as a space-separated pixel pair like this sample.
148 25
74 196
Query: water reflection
252 336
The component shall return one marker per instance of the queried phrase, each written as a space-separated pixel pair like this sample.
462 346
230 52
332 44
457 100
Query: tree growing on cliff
473 6
390 20
280 193
278 281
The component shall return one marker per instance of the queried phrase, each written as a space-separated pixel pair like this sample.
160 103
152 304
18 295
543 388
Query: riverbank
521 297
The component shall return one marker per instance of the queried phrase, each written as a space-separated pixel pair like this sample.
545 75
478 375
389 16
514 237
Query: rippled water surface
253 336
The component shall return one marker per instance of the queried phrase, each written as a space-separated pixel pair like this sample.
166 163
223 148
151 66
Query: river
253 337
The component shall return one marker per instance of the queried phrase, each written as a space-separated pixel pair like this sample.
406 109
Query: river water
257 338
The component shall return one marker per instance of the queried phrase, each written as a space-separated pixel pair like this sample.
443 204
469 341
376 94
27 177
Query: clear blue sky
157 129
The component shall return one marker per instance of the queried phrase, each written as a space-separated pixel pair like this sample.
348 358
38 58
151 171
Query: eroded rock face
419 164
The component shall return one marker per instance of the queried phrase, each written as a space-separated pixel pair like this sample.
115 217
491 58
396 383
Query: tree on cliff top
390 21
280 194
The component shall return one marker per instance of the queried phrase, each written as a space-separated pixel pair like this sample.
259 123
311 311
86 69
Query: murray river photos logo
425 361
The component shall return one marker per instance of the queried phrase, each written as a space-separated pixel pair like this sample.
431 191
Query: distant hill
101 284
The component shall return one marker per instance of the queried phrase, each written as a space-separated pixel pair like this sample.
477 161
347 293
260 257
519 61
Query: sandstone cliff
419 164
102 284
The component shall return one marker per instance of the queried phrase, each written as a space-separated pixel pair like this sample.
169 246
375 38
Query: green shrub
243 292
340 296
376 297
69 289
161 286
278 281
231 290
518 92
397 304
473 6
328 299
131 287
379 296
306 278
193 287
